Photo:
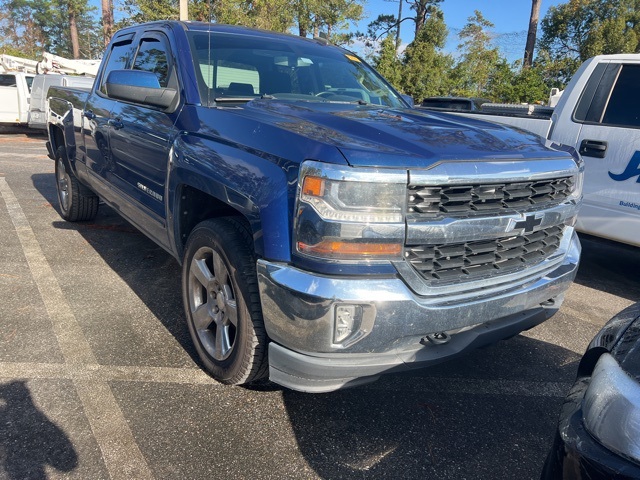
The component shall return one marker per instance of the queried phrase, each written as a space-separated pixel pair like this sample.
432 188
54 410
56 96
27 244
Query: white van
41 84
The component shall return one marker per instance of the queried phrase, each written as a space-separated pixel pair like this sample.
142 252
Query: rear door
609 142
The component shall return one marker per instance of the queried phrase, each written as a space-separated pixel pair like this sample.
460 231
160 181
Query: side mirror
409 100
139 87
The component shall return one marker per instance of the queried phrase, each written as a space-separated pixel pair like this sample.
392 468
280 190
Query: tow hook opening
439 338
549 303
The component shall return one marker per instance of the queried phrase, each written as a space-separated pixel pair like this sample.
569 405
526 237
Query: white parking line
105 373
38 154
194 376
120 453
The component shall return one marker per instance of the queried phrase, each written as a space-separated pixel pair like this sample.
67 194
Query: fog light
346 317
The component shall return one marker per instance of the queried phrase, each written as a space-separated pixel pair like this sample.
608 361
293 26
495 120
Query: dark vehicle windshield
243 67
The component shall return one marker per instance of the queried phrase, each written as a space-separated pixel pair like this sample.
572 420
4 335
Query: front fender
259 186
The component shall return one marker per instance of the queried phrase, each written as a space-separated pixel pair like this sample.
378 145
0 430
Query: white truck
16 77
15 91
599 115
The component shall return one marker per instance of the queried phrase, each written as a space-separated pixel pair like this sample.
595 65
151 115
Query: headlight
611 408
351 201
576 188
348 213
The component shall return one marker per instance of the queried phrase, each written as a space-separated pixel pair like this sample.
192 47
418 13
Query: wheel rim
212 303
63 186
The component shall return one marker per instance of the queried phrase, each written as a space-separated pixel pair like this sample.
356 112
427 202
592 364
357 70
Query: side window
7 80
152 57
118 58
623 108
29 81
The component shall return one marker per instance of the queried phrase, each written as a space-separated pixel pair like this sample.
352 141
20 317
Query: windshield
242 67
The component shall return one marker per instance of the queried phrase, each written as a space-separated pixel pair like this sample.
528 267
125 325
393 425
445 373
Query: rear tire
222 301
77 202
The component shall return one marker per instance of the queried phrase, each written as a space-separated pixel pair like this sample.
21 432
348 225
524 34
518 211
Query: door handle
593 148
116 123
88 114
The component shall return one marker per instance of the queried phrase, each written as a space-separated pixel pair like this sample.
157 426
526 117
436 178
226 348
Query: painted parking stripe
38 154
194 376
120 453
106 373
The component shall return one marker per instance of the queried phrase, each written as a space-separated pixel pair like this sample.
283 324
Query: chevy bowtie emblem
529 223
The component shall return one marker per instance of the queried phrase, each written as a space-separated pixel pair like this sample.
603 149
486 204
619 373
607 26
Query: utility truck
19 76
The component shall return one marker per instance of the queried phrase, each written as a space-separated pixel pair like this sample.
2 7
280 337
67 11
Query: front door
141 137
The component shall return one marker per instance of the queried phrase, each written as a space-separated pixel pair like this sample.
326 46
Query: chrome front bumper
299 309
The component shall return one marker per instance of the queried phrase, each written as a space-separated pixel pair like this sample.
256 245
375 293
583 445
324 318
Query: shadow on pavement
152 274
433 423
29 441
613 267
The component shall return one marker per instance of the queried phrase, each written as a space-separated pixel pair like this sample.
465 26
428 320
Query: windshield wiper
233 99
348 102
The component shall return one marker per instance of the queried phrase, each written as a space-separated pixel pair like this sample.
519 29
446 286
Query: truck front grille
464 262
431 202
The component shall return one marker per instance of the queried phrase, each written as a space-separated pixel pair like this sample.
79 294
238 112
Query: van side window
152 57
118 59
623 108
7 80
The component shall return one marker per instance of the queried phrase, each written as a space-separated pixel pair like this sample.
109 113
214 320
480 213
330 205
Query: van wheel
222 302
77 202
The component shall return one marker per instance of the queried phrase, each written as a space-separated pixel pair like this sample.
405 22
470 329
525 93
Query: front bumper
299 309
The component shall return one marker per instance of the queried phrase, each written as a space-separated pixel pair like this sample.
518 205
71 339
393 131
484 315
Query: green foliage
529 86
574 31
387 62
314 16
29 27
311 16
501 86
425 66
479 59
139 11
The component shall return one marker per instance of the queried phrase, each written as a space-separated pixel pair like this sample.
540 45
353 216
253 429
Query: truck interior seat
236 88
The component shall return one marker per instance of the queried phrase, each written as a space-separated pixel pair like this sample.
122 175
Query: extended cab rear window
610 98
623 108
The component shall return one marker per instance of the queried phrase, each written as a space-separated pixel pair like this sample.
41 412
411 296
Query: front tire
77 202
222 302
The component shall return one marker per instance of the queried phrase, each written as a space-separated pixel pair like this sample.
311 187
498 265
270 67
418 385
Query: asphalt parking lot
98 378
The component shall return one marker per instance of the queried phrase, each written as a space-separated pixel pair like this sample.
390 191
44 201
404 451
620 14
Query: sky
510 17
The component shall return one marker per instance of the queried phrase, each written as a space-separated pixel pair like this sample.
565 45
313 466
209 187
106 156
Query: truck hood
369 135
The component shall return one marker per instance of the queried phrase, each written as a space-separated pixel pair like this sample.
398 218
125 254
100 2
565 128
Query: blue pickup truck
327 232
